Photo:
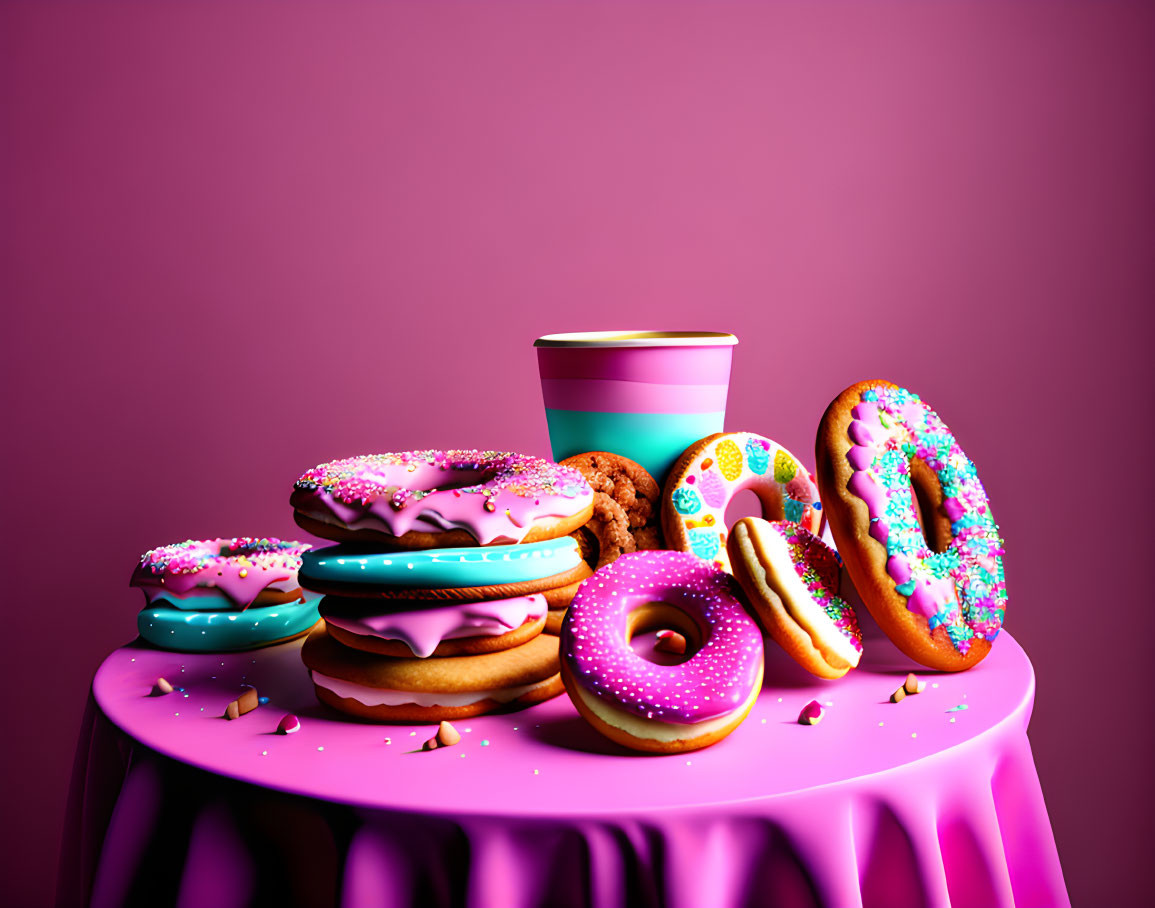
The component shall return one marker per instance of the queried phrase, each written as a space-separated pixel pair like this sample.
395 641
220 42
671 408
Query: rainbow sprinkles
961 589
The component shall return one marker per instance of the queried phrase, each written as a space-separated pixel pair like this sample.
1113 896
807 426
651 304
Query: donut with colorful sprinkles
661 708
435 499
913 524
791 579
712 471
221 574
223 595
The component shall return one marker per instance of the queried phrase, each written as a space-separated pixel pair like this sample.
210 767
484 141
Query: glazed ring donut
791 578
187 631
221 574
462 575
913 524
423 629
712 471
626 506
436 499
661 708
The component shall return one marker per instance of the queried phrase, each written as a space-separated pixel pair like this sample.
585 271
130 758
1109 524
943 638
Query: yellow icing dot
729 459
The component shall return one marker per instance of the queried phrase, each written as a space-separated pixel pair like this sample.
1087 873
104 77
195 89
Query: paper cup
646 395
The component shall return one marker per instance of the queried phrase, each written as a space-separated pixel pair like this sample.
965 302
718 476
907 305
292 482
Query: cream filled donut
712 471
913 524
422 628
643 705
428 499
791 578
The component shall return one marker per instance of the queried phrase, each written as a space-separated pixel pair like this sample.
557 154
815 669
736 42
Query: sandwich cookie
384 689
425 628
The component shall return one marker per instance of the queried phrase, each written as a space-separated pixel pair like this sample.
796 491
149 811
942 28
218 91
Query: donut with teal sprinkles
941 603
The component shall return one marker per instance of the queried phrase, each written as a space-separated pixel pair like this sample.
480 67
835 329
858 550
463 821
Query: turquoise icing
757 456
793 509
654 440
704 543
218 632
686 500
441 568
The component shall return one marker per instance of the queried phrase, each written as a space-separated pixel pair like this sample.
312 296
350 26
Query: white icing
380 696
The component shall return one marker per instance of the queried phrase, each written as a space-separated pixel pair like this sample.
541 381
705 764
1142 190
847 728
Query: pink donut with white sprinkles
651 707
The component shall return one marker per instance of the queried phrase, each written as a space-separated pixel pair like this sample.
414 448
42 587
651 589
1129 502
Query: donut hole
458 479
746 503
927 499
645 623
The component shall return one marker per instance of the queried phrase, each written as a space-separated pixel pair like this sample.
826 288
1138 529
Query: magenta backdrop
238 240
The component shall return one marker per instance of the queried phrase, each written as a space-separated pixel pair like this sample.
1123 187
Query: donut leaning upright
912 523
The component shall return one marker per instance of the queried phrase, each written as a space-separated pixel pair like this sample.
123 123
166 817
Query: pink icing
496 497
603 396
421 629
237 569
713 682
961 588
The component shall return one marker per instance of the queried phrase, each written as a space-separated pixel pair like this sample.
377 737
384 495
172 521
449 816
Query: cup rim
637 339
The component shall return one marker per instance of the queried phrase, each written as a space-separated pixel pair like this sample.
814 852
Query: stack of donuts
223 595
447 567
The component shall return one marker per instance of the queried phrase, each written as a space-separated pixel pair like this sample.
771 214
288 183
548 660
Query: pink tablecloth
932 801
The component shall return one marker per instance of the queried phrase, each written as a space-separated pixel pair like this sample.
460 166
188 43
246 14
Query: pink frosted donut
437 499
643 705
221 574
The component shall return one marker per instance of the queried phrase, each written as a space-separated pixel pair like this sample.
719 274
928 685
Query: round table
930 801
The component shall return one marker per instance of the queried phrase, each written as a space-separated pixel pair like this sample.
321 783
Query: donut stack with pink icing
439 588
220 595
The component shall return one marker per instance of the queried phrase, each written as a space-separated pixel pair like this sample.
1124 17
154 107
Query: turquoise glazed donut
336 567
227 631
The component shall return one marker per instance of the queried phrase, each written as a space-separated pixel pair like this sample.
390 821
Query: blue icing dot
704 543
793 509
757 456
686 501
905 589
870 394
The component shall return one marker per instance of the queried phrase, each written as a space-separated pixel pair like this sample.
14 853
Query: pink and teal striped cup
646 395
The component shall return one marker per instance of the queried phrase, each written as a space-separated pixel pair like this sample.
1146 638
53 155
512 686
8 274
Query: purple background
238 239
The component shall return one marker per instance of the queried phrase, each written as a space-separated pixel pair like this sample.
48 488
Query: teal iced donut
218 632
439 569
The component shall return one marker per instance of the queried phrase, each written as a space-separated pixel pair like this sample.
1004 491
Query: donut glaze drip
422 628
238 569
962 589
817 566
715 681
495 496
